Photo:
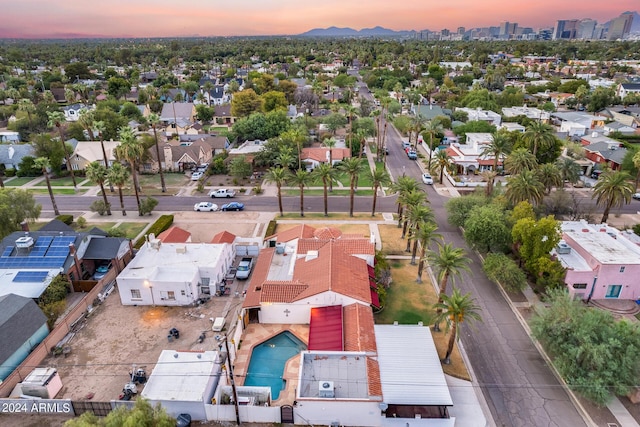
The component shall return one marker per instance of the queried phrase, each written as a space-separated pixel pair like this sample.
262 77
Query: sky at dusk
183 18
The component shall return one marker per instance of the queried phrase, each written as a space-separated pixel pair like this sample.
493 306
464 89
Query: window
613 291
622 269
135 294
579 286
171 295
205 281
183 293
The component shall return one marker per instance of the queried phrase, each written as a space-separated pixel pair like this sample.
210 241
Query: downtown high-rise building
565 29
620 26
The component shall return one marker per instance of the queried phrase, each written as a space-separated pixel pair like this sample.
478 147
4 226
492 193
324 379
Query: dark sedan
233 206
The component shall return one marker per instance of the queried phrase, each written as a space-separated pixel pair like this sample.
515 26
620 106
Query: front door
613 291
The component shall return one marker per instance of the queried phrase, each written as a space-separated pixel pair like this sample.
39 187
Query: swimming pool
268 359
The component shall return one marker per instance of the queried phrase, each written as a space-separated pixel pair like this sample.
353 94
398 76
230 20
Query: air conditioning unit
24 242
563 248
326 389
280 248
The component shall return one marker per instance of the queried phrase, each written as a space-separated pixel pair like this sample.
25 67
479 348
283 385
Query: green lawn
60 191
60 182
132 229
18 182
320 192
170 180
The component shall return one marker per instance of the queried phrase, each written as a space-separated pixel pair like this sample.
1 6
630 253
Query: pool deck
256 334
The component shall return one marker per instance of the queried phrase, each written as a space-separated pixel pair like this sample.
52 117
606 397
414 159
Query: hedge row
271 228
67 219
156 228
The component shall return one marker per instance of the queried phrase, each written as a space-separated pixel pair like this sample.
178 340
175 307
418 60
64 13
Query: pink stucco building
601 261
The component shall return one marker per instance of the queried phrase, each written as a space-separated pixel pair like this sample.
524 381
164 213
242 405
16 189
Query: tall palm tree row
455 309
154 119
449 263
416 215
302 179
118 175
351 166
277 175
402 186
131 150
413 198
379 178
98 173
425 235
55 119
43 164
328 175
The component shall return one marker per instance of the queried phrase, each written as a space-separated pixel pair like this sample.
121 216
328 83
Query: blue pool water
268 359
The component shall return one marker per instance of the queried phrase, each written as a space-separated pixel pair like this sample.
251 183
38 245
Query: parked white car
427 179
636 196
205 206
196 176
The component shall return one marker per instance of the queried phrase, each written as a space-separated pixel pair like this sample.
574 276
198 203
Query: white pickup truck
222 192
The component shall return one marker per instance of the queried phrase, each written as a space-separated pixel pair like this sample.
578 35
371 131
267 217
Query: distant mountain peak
350 32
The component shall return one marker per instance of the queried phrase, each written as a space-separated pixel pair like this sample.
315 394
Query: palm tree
43 164
154 119
330 143
569 170
302 179
101 127
277 176
449 262
613 189
539 135
55 120
414 215
418 123
519 160
442 162
550 176
412 198
524 186
455 309
636 163
350 110
499 146
98 173
424 235
328 175
403 185
488 176
379 178
432 128
87 120
130 149
27 106
424 216
351 166
118 175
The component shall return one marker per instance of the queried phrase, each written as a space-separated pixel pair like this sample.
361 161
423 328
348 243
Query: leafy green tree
274 100
455 309
535 239
16 206
459 208
595 353
302 179
142 414
486 229
240 168
334 122
147 205
277 176
205 113
98 173
246 102
448 262
613 189
351 166
327 174
118 175
131 112
473 126
43 164
118 87
502 269
522 210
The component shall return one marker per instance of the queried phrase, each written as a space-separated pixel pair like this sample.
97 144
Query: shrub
156 228
636 229
147 205
9 173
99 206
271 228
257 189
67 219
116 232
81 222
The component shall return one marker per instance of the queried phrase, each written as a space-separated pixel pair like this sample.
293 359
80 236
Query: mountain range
350 32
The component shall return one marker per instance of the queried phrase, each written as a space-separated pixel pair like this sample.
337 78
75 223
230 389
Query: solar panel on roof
30 276
32 262
62 241
43 241
7 251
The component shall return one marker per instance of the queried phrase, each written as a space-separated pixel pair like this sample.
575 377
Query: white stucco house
174 274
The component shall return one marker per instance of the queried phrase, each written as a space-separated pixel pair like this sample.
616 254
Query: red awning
325 329
372 271
372 284
375 300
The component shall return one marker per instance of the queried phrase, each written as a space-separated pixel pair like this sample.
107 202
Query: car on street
412 155
222 192
205 207
636 196
233 206
101 271
427 179
196 176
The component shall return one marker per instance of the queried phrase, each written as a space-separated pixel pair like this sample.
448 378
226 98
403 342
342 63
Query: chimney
24 226
168 157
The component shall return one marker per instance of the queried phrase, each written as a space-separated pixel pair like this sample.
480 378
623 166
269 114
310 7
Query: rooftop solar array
47 252
30 276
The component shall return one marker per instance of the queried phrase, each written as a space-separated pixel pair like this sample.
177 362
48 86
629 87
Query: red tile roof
325 328
281 291
297 232
174 234
373 375
321 154
223 237
358 328
327 233
258 277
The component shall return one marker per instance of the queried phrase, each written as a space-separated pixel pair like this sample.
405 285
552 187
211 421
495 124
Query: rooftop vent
326 389
24 242
280 248
563 248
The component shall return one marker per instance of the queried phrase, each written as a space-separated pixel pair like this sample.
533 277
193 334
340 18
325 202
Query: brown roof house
315 156
179 156
178 117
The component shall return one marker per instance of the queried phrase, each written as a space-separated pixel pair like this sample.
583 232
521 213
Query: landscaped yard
17 182
359 229
60 182
56 191
320 192
392 244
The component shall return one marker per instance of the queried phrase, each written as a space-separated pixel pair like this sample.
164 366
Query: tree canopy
16 206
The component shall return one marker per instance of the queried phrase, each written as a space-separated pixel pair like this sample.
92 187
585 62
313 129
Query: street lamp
147 284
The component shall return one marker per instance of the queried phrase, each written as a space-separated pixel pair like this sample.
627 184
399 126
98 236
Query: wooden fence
39 353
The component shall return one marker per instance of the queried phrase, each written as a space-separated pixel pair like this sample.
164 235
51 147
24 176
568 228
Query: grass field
57 191
60 182
17 182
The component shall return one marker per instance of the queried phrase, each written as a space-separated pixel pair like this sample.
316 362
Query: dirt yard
114 338
204 225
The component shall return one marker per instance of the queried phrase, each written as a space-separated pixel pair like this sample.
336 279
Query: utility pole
233 381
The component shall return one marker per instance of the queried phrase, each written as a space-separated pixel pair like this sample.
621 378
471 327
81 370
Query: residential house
248 149
529 112
576 123
430 112
629 116
312 157
179 156
9 136
222 115
31 260
620 128
148 77
602 150
216 96
22 327
12 154
72 112
468 159
175 234
512 127
478 114
625 89
174 274
601 262
178 117
86 152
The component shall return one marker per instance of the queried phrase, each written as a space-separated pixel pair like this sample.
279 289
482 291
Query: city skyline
161 18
